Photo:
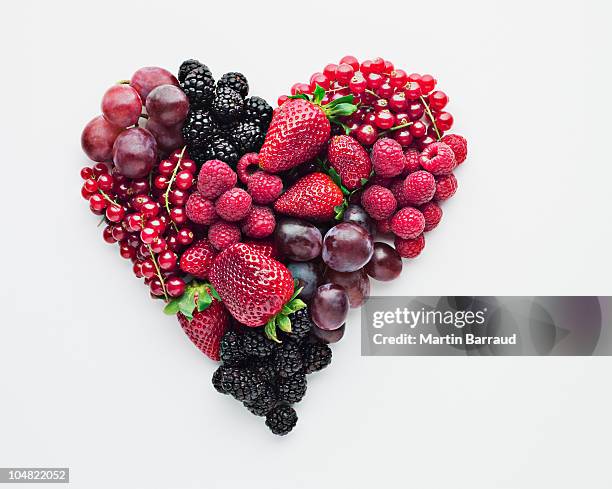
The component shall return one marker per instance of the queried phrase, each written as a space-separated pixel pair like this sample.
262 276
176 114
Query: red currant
401 118
428 83
444 121
330 71
189 165
358 84
86 173
418 129
157 289
374 80
166 167
105 182
100 169
403 137
398 102
107 234
159 245
350 60
147 268
414 77
147 235
412 91
133 222
298 88
183 180
385 119
381 104
415 111
281 100
319 79
177 197
90 185
139 187
366 134
115 213
97 202
388 67
85 193
378 65
137 269
178 215
157 224
175 287
344 73
369 118
438 100
167 260
161 182
366 67
385 90
185 236
127 251
149 210
119 233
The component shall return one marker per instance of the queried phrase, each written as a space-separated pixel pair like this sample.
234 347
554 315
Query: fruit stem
158 272
124 82
372 93
105 195
431 117
395 128
167 192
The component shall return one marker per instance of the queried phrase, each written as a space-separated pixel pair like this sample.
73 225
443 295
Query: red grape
167 105
121 105
135 152
347 247
297 240
385 264
330 306
98 138
356 284
150 77
308 276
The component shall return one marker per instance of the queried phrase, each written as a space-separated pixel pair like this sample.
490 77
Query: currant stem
167 192
158 272
372 93
105 195
431 117
396 128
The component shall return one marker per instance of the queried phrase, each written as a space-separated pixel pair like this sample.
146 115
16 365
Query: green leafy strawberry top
341 107
197 297
281 320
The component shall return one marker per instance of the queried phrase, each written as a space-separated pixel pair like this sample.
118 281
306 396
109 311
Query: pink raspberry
378 202
233 204
432 214
200 210
446 187
215 177
419 187
408 223
413 164
387 157
459 146
410 248
248 160
382 181
259 222
264 187
383 226
223 235
438 158
397 189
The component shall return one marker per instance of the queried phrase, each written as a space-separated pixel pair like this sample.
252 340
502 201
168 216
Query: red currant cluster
391 102
148 221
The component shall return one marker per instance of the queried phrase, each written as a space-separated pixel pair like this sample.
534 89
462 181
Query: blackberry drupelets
235 81
242 383
259 111
316 357
287 359
198 129
231 349
292 389
266 400
199 86
248 137
301 325
187 67
255 344
282 419
227 106
220 148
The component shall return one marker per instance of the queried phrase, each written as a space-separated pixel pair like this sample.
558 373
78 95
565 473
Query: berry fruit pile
260 228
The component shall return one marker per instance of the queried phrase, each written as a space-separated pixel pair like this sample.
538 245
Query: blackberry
292 389
264 403
221 149
282 419
259 111
230 349
301 325
287 360
316 356
248 137
197 154
265 369
235 81
242 383
199 86
199 128
216 380
255 344
227 106
187 67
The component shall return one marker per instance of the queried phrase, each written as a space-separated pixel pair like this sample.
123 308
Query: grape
168 138
357 215
329 306
121 105
150 77
385 264
98 137
347 247
135 152
326 336
308 276
297 240
356 284
168 105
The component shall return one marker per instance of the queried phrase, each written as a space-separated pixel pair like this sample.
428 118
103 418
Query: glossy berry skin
350 160
297 240
366 134
298 131
356 285
384 119
344 73
408 223
207 328
198 259
385 264
146 79
329 306
410 248
357 215
313 196
121 105
444 121
351 61
167 104
347 247
328 336
134 152
308 275
175 286
438 100
98 137
253 287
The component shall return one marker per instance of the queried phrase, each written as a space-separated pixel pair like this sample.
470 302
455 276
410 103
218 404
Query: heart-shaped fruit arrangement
256 226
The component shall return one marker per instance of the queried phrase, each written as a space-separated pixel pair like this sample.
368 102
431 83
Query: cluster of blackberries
223 123
268 377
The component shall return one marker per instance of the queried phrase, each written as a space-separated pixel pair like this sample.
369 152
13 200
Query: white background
93 376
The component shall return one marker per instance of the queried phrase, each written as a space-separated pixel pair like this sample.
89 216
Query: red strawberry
198 258
350 160
299 129
256 289
202 317
314 196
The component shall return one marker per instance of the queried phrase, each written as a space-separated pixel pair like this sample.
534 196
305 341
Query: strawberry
202 317
198 258
350 160
314 196
255 288
299 129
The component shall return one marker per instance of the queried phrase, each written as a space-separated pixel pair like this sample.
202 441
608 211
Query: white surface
93 376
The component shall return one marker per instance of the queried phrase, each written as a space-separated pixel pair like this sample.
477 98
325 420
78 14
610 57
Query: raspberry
408 223
264 187
388 158
383 226
382 181
249 159
459 146
397 188
410 248
200 210
223 235
413 164
259 222
233 204
378 202
419 187
438 158
432 214
198 258
446 187
215 178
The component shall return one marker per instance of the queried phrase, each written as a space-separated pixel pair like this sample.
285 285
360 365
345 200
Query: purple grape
327 336
97 139
121 105
356 284
308 275
347 247
146 79
357 215
168 105
297 240
168 138
135 152
385 264
329 306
